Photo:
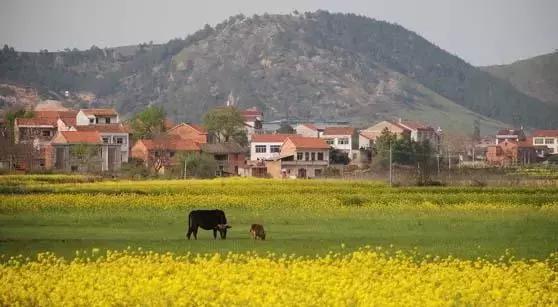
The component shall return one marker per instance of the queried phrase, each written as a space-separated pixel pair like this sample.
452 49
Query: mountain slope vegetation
312 66
536 77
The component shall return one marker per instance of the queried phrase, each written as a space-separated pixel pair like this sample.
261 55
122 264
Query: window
306 156
107 120
539 141
171 154
330 141
313 156
91 120
299 156
318 172
275 148
261 148
320 156
106 140
343 141
157 154
549 141
46 133
119 140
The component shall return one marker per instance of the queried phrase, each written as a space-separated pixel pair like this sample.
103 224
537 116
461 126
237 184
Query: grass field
302 217
123 243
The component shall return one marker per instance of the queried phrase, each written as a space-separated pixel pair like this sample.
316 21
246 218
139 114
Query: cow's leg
189 233
214 233
195 231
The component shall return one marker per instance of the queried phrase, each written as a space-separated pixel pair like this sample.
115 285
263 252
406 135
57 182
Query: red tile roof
171 143
99 112
545 133
339 131
78 137
105 128
371 135
51 122
49 118
301 142
270 138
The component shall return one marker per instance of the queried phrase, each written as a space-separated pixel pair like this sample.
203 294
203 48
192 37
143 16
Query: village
96 140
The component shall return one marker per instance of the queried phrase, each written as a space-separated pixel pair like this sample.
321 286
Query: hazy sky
480 31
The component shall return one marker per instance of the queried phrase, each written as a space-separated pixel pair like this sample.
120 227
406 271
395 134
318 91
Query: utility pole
185 164
390 161
449 164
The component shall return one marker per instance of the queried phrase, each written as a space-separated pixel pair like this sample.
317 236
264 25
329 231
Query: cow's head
223 230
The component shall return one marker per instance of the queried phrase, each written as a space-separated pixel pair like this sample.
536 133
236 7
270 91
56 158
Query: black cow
209 220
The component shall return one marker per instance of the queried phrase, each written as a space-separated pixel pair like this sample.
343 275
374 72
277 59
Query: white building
548 138
96 116
266 146
107 123
340 138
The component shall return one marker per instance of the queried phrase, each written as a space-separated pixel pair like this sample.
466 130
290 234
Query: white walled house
300 157
112 134
266 146
107 123
96 117
548 138
340 138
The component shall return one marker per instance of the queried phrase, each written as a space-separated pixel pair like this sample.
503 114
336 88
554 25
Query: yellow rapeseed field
365 277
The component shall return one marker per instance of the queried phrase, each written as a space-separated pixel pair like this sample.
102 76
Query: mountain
536 77
311 66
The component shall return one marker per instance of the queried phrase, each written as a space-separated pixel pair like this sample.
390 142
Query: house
116 133
516 135
416 131
266 146
340 138
375 131
43 126
96 116
162 152
509 152
300 157
253 119
366 139
308 130
230 157
82 151
188 131
547 138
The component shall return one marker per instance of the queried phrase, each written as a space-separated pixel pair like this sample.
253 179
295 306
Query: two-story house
106 122
340 138
83 151
548 138
266 146
300 157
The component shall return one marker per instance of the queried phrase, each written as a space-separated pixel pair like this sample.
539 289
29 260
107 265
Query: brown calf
257 231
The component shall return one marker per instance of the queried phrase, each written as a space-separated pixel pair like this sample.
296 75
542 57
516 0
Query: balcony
305 163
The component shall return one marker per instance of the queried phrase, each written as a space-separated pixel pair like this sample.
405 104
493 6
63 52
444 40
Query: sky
483 32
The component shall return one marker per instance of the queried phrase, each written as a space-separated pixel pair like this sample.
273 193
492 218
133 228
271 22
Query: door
301 173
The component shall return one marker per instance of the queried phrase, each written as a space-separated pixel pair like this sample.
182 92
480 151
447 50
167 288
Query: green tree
10 117
199 166
381 148
226 125
148 123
